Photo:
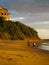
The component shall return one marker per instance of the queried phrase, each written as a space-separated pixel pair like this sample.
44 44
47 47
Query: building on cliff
4 13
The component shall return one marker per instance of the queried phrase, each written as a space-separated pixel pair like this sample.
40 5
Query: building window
1 13
5 13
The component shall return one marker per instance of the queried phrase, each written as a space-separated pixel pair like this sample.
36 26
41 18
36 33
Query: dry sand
18 53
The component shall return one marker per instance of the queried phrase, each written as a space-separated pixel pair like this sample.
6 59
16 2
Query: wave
44 46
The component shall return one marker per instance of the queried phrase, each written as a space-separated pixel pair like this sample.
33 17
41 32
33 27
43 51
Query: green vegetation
15 30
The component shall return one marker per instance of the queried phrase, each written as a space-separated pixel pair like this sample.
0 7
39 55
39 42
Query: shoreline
42 50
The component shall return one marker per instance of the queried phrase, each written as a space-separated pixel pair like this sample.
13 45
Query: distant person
34 44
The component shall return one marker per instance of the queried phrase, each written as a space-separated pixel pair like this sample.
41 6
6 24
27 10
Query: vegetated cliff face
15 30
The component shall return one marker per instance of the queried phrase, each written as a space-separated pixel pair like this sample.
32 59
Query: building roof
3 8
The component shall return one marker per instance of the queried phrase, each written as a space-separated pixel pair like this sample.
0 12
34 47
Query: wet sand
21 54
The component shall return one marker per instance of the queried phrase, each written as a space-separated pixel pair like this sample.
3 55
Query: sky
34 13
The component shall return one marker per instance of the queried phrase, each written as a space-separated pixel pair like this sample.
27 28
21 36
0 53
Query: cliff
16 30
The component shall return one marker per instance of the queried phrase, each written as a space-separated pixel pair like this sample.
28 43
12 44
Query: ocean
44 46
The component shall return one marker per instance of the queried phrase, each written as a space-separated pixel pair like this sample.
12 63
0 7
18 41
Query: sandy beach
18 53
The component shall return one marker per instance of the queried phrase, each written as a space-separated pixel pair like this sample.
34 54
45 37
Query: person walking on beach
34 44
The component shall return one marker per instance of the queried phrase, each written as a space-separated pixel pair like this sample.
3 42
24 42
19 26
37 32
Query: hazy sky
34 13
